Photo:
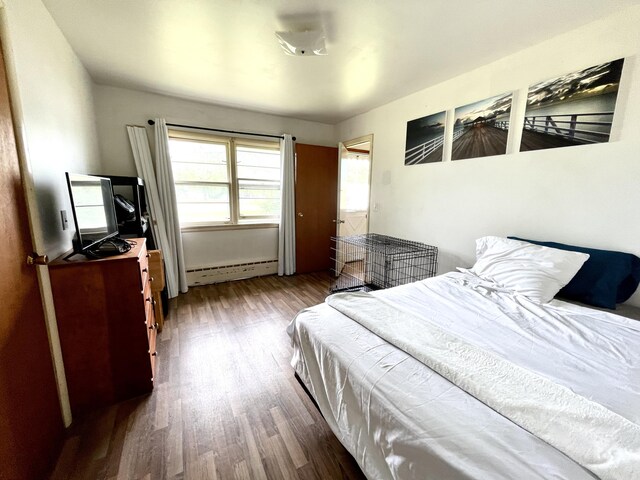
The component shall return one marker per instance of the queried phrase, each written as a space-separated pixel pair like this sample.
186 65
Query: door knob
35 259
300 214
338 221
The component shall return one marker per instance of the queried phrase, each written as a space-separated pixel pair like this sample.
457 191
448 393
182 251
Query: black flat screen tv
94 212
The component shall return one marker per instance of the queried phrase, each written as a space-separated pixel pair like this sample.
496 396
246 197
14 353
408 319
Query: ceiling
225 51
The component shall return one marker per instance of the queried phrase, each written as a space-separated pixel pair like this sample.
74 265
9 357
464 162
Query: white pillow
534 271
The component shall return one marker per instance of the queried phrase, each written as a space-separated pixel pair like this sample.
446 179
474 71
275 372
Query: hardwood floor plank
130 448
174 345
174 449
241 471
249 441
225 404
161 418
289 439
301 402
157 446
204 467
118 436
276 446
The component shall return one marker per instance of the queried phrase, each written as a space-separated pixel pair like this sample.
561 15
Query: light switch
63 217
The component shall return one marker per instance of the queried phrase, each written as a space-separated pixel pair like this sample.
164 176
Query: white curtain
167 192
144 166
287 231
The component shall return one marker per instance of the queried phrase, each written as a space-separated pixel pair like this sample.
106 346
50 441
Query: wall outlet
63 217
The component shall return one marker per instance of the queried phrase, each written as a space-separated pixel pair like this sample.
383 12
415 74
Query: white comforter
399 419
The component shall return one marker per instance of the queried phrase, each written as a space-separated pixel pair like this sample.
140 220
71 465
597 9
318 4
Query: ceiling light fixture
302 44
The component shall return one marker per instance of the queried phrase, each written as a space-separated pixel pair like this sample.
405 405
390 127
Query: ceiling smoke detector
302 44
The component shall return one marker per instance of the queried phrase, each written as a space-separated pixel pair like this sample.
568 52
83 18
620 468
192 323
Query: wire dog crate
373 261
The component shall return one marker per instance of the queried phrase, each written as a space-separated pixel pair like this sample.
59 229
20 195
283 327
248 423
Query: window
223 180
258 172
354 182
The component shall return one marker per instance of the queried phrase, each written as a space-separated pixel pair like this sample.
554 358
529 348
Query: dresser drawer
156 270
149 314
147 295
143 262
153 354
149 317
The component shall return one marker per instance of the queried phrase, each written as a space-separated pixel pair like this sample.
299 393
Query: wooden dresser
104 310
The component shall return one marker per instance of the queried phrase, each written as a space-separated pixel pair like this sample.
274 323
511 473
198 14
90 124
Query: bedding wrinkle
366 400
346 385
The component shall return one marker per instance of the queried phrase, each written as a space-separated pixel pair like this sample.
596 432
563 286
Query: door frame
344 145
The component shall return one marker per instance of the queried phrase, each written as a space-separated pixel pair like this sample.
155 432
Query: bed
403 411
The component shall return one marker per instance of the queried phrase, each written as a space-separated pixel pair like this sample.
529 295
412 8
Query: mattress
400 419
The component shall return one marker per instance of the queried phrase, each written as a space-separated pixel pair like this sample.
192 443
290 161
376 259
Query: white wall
229 247
54 96
587 195
118 107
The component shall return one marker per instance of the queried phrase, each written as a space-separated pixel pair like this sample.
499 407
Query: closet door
316 204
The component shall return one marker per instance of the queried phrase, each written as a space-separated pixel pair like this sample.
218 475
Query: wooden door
30 419
316 206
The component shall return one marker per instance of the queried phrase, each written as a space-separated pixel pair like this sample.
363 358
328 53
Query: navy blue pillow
605 279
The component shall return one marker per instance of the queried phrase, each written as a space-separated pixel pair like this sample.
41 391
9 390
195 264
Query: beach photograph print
425 137
573 109
481 129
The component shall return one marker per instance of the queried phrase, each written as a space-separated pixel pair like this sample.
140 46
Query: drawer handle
145 270
148 255
148 299
151 279
154 354
154 326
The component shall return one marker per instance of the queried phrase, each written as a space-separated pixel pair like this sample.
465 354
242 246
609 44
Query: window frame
264 145
236 221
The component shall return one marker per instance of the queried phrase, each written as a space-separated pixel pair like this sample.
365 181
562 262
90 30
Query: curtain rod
152 122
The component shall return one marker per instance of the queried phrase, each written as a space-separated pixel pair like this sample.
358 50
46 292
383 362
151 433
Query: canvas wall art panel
573 109
425 137
481 128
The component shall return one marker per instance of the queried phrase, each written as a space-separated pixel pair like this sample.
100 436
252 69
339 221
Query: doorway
354 186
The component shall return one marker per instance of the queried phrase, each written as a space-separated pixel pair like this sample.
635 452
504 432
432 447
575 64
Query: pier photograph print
425 137
481 129
573 109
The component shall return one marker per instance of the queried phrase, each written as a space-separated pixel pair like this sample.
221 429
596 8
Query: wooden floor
480 141
225 405
537 141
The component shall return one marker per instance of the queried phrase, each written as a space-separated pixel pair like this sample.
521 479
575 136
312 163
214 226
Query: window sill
238 226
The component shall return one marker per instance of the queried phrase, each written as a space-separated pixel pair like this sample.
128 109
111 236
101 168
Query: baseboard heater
225 273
